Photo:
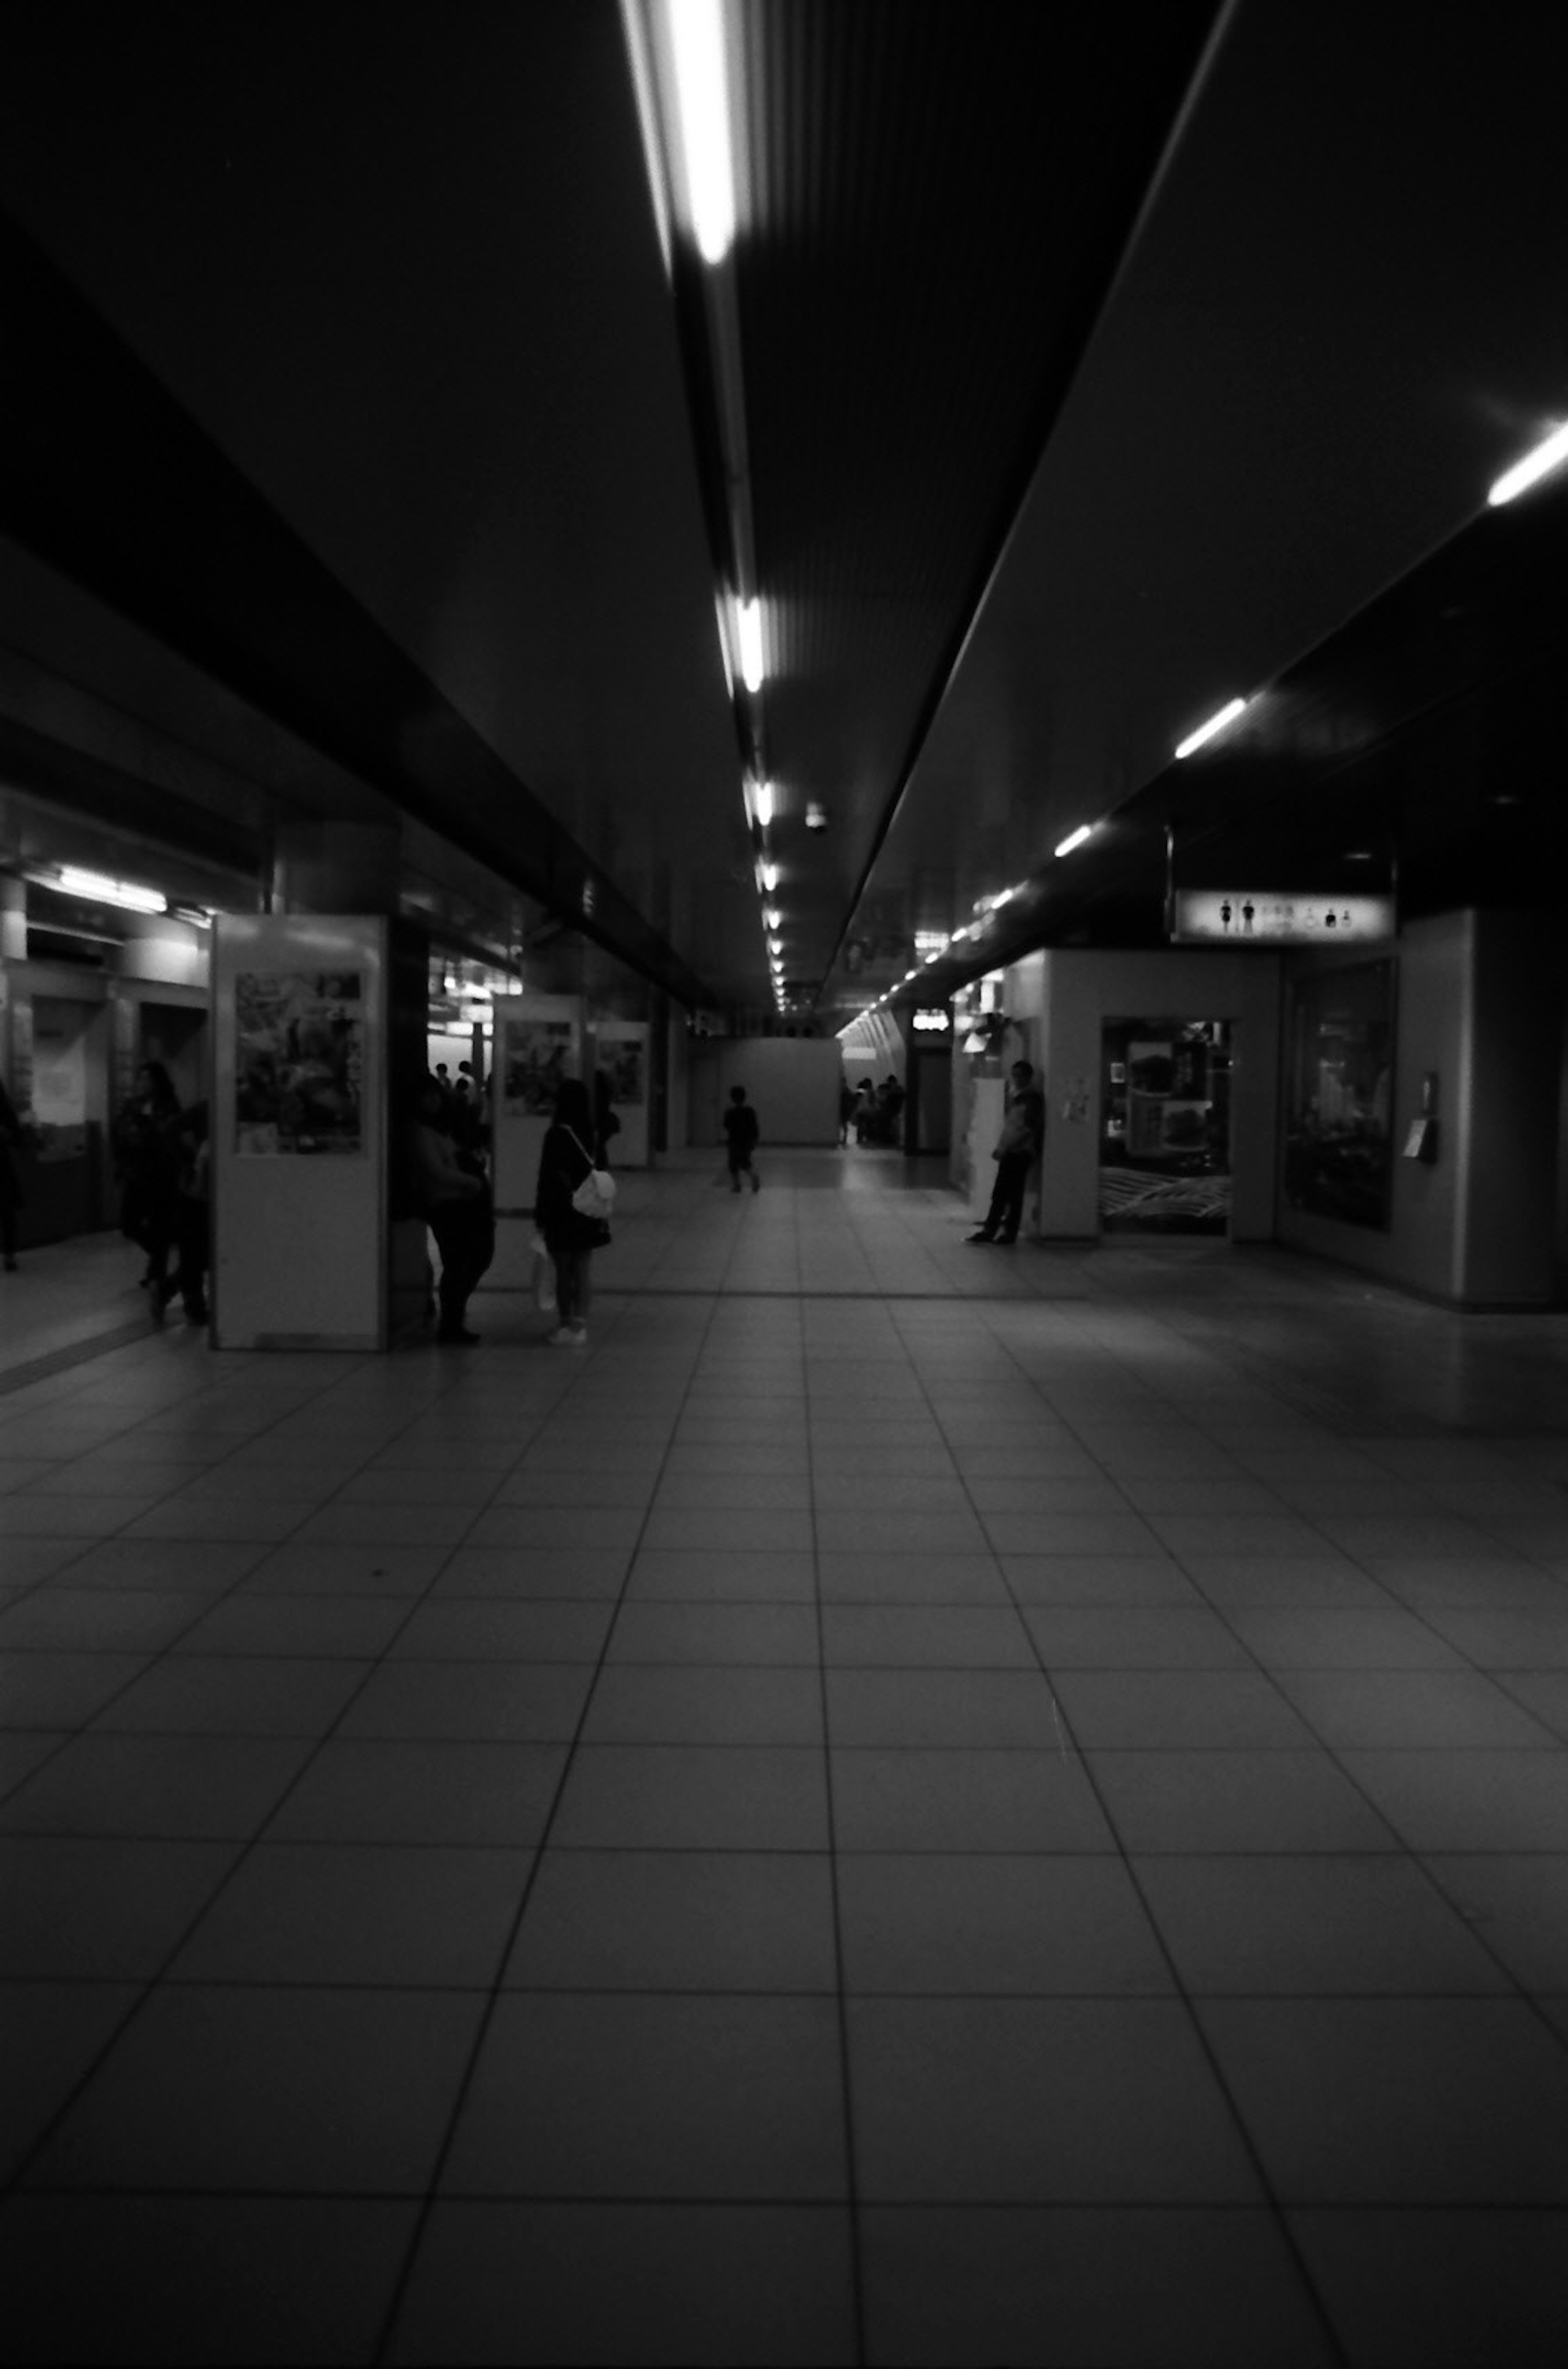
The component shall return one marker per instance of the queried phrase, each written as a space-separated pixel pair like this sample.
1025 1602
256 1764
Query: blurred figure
456 1207
10 1179
566 1161
192 1221
740 1133
148 1162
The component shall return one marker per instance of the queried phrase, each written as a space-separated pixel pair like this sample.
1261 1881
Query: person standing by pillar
1017 1149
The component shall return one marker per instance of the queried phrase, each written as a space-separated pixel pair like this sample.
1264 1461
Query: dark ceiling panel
941 199
104 476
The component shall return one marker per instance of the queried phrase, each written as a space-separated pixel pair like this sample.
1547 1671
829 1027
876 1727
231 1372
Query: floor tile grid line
1520 1991
160 1974
1224 2088
495 1990
1341 1756
1275 2206
159 1978
851 2154
1417 1860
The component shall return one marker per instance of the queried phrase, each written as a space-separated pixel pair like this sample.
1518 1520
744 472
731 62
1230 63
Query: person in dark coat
147 1151
740 1133
566 1161
457 1208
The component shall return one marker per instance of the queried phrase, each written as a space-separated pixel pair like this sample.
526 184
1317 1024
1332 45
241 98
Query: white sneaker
568 1336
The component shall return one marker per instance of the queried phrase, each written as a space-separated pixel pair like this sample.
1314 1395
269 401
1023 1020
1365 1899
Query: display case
1338 1159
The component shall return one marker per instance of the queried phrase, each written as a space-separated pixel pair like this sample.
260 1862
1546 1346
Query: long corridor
911 1803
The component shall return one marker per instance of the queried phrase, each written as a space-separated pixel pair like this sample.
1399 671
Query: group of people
453 1190
872 1111
162 1162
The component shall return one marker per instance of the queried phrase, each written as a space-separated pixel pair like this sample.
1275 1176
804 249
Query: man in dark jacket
1017 1149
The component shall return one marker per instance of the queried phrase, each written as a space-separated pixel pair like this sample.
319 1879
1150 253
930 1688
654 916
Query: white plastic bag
544 1278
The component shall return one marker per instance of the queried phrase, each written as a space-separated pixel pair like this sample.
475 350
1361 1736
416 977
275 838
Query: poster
535 1056
624 1060
299 1062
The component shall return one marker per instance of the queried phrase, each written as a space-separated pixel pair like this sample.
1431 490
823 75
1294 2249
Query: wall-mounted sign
933 1022
1276 917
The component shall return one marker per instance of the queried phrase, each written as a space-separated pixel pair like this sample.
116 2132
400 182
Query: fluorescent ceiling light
1076 838
1227 715
770 877
772 917
761 795
749 634
1534 466
702 98
937 957
105 891
776 945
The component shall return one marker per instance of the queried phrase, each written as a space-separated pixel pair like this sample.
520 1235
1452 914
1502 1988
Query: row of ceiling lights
102 888
1540 463
681 70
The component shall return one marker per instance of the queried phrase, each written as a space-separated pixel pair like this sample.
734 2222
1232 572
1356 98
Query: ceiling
360 455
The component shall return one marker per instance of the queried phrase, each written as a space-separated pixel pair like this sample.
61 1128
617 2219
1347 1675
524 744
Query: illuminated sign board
931 1023
1273 917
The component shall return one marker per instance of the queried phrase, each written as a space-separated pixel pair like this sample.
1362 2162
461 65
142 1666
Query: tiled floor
914 1804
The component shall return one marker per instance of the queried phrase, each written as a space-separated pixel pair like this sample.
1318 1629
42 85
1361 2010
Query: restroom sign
933 1022
1273 916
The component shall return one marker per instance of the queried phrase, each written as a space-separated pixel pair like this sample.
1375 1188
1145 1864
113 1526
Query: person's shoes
756 1183
981 1237
568 1336
456 1332
1005 1242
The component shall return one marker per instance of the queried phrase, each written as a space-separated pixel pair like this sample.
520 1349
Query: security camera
816 817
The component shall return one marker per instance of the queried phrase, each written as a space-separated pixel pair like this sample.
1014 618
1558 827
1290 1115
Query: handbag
595 1197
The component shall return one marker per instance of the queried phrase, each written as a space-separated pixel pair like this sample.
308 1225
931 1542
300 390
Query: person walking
456 1205
566 1163
740 1133
1017 1149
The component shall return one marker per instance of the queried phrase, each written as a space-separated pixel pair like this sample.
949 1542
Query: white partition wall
538 1043
299 1122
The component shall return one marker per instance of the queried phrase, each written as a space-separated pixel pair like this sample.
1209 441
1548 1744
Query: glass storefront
1165 1127
1338 1159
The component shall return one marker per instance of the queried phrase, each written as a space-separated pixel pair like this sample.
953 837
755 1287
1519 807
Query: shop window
1337 1154
1165 1127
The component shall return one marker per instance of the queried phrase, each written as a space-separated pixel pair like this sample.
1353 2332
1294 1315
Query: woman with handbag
568 1184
